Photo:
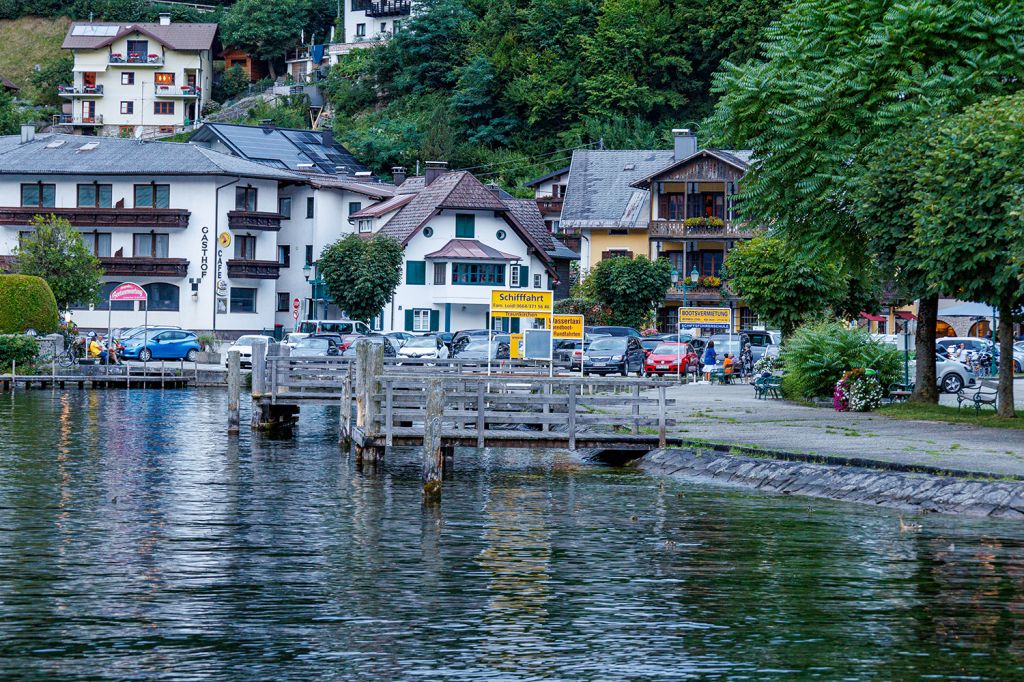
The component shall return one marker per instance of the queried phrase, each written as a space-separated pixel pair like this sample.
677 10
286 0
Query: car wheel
145 355
1016 367
191 355
952 383
625 369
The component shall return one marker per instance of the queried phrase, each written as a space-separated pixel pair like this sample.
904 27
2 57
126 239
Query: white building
196 228
462 240
136 80
367 22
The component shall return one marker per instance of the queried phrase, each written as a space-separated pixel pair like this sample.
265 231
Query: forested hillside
508 86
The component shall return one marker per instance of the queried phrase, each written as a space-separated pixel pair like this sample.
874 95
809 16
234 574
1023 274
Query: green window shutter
524 276
408 320
435 320
515 325
415 272
465 225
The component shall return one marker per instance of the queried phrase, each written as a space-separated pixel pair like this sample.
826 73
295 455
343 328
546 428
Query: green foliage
11 116
817 354
52 73
268 29
233 82
19 349
362 274
592 312
631 288
208 341
785 285
26 302
291 111
55 252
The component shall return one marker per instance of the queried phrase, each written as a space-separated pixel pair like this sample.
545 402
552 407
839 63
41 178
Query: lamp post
306 271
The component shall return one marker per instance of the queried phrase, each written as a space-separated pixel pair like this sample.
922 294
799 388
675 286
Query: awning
469 249
905 315
967 310
873 318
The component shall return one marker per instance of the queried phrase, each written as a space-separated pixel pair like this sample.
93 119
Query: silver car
951 375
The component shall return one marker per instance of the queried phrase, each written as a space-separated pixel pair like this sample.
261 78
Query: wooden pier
157 380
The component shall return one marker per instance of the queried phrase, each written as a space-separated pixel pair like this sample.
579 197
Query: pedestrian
746 361
710 360
727 367
965 355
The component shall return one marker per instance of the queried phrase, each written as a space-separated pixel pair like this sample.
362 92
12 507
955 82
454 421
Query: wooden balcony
253 269
388 8
254 220
550 204
150 218
701 294
677 229
145 267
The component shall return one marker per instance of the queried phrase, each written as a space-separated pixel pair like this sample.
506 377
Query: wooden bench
985 393
900 393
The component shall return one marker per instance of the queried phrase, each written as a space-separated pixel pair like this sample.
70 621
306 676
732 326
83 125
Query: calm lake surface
138 541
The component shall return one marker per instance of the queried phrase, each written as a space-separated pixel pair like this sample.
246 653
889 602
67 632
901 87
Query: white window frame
421 319
365 225
536 281
513 277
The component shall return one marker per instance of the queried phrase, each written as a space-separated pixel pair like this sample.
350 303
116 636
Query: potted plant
209 343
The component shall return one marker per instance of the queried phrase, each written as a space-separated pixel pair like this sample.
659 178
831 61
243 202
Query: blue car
168 344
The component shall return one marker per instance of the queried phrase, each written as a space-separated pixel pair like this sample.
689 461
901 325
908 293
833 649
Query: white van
333 327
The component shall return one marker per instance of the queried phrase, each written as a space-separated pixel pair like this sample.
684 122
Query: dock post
234 389
259 373
661 417
636 409
345 437
433 458
571 413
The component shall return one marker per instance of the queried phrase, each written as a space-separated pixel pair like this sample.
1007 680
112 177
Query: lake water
138 541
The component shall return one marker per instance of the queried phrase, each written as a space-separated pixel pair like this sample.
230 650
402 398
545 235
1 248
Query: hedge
26 302
20 349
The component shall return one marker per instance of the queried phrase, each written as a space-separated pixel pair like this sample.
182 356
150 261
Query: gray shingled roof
599 193
738 158
117 156
383 207
178 36
527 214
373 190
548 176
451 190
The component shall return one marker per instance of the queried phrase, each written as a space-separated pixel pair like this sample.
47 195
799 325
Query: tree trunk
271 69
1005 406
925 383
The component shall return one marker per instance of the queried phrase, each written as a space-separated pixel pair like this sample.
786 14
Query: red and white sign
129 291
295 306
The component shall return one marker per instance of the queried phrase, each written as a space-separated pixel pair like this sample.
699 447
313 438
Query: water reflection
137 540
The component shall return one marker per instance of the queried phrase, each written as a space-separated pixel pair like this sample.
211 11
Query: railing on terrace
71 119
100 217
176 90
136 59
696 228
81 90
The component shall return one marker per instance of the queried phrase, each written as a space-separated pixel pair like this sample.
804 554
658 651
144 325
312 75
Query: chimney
165 19
327 137
398 175
435 169
686 143
28 133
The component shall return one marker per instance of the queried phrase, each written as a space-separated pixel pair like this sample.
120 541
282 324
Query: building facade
136 80
367 22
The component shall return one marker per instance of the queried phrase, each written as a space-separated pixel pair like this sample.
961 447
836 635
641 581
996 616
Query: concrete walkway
731 415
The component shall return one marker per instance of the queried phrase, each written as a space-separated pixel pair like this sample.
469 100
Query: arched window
982 328
943 329
104 298
162 296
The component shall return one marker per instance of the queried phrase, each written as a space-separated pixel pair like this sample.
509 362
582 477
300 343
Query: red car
665 359
348 339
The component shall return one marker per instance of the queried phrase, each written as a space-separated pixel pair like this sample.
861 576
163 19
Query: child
727 367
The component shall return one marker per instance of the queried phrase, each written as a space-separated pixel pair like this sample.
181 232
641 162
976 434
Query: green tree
838 80
267 30
969 215
50 74
784 285
475 104
11 116
362 274
631 288
233 82
54 251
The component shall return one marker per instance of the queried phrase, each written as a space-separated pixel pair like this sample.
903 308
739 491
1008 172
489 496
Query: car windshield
669 349
422 342
314 343
614 343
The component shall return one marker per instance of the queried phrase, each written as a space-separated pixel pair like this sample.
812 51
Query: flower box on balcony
704 223
154 55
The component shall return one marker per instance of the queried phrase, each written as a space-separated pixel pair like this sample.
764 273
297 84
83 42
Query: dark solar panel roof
284 147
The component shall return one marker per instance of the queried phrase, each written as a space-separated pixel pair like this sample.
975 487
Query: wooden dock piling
234 389
433 457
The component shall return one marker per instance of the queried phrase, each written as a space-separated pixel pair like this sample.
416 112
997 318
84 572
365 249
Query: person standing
746 361
710 360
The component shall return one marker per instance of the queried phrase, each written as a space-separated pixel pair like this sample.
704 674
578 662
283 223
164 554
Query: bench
767 387
900 393
986 393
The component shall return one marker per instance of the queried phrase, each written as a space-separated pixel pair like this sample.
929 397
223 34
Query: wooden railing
145 267
254 220
253 269
669 229
100 217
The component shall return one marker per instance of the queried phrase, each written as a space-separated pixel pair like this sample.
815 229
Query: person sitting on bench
96 349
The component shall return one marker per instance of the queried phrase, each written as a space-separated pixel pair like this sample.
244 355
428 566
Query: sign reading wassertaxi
705 318
568 326
512 303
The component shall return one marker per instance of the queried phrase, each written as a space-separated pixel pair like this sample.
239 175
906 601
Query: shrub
26 302
817 355
857 391
17 348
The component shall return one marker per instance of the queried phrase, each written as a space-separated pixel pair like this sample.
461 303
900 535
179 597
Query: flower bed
857 391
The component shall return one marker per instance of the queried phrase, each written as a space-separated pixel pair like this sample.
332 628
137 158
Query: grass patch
28 41
944 413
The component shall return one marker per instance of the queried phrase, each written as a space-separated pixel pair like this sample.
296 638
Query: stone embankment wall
882 485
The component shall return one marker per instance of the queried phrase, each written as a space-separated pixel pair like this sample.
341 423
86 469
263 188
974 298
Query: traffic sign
568 327
295 305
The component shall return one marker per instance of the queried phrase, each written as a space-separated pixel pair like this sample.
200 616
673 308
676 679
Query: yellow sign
568 327
512 303
705 318
515 346
224 239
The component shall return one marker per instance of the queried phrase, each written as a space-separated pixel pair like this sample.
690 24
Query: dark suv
621 354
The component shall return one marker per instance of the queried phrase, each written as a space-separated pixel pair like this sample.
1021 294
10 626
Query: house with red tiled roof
136 79
462 240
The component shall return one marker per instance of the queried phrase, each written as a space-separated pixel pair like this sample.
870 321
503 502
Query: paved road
730 414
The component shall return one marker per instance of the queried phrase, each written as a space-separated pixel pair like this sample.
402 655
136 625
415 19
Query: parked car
292 340
475 348
399 339
622 354
424 347
466 334
951 375
169 344
335 326
389 348
613 331
348 339
649 343
447 337
726 344
978 345
759 341
243 344
666 358
316 346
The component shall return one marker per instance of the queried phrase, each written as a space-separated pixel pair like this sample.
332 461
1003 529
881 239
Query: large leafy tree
969 215
54 251
839 78
630 288
267 30
362 274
